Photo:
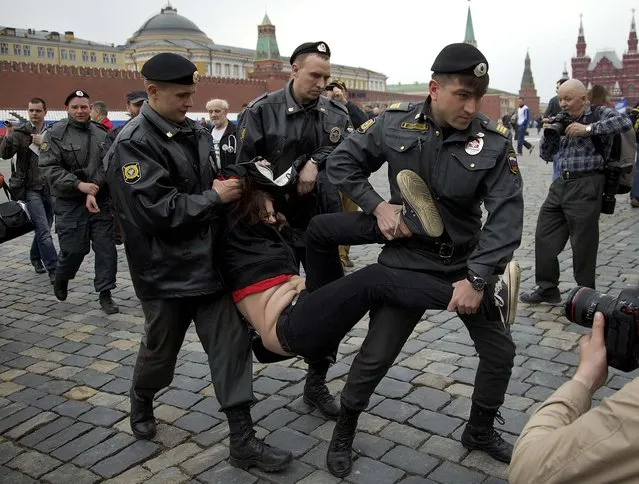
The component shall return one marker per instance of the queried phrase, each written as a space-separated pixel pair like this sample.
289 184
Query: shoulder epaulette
259 98
494 126
338 105
399 107
99 125
58 127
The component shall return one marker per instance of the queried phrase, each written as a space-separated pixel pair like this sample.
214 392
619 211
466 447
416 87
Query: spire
581 39
527 79
564 75
469 37
266 42
632 36
266 20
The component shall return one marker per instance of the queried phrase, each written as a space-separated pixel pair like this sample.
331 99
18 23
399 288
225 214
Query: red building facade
619 76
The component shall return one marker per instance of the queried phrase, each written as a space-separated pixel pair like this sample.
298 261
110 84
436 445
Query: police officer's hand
306 181
465 300
88 188
37 139
92 204
228 190
593 365
576 129
389 221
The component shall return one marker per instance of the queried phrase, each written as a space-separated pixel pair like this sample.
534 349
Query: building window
50 53
40 51
218 69
227 70
17 49
63 54
4 48
85 56
94 58
27 50
114 60
236 71
71 54
105 58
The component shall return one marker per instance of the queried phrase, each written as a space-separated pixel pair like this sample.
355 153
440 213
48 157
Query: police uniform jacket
26 160
460 175
278 129
66 153
160 175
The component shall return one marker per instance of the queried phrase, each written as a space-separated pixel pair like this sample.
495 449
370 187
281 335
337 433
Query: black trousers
571 211
77 231
223 335
398 299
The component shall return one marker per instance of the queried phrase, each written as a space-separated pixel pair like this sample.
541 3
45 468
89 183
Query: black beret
460 58
337 83
311 48
78 93
172 68
135 97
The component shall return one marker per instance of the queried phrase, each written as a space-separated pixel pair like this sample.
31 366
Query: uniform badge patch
512 162
501 129
44 146
474 146
131 172
365 125
414 126
394 105
335 135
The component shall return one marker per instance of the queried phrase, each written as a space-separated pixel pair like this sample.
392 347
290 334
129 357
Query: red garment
259 287
106 122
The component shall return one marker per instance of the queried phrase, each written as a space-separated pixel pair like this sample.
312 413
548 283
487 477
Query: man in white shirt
223 132
523 119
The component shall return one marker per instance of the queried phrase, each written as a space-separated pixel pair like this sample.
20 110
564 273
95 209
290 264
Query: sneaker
419 213
539 295
506 292
634 203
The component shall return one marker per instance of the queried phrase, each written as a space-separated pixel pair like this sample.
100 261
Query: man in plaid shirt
571 209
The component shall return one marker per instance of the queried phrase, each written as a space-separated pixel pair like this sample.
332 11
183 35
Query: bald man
571 209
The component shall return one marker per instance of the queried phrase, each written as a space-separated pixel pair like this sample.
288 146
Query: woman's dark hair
249 208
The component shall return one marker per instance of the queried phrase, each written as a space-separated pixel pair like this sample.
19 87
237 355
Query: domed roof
168 22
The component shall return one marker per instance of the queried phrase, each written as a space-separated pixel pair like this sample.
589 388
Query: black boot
60 288
143 422
107 304
38 267
52 276
315 391
480 434
339 458
246 450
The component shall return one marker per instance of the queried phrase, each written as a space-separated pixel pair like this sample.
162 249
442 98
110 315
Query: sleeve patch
512 162
131 173
365 125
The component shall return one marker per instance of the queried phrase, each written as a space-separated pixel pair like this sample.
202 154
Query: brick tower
527 89
268 65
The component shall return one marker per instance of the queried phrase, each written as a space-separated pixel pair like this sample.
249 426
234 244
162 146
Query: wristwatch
589 129
477 282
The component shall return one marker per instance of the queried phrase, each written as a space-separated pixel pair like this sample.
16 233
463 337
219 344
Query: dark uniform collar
167 127
475 128
293 107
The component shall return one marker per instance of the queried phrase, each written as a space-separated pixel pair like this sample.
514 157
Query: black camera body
558 124
621 331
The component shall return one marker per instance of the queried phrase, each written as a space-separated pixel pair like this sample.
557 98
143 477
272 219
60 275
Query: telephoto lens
583 302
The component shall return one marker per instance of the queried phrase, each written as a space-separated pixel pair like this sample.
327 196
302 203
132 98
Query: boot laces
500 420
322 394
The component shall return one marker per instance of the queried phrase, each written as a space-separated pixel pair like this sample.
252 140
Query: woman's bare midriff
263 309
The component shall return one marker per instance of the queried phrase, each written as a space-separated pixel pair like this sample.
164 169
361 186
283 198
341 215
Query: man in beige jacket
565 442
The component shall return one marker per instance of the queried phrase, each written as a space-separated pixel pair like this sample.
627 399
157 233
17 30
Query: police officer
297 127
69 149
444 160
160 173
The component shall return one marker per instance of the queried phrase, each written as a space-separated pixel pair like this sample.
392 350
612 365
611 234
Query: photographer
565 442
574 201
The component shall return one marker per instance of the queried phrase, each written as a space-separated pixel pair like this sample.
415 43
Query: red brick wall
21 81
490 106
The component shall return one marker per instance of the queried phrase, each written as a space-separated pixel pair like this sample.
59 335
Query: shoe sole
252 463
478 447
314 405
513 279
416 193
147 436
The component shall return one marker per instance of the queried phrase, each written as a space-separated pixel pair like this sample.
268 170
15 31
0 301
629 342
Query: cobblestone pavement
65 371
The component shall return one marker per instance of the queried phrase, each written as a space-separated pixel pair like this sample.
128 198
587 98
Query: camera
611 184
12 123
620 331
558 124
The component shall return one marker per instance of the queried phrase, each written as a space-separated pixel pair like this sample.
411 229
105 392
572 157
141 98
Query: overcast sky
398 37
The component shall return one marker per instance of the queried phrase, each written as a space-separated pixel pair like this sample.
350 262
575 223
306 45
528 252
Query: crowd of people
217 221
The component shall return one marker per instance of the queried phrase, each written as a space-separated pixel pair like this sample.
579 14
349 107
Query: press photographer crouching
564 441
580 139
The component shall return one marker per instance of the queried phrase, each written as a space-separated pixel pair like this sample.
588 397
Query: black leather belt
573 175
445 250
